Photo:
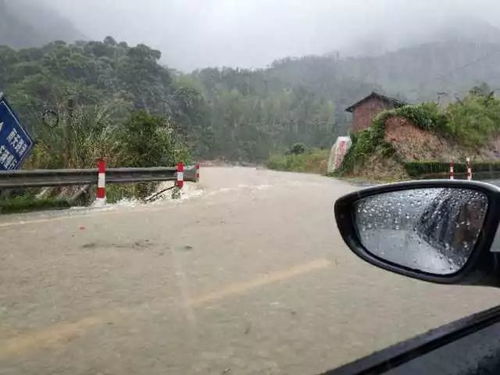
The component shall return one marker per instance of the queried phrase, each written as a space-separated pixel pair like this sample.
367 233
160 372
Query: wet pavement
246 275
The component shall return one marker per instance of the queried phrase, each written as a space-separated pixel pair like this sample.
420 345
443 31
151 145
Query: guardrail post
179 183
180 175
469 169
101 183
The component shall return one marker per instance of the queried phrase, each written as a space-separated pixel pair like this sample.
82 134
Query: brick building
366 109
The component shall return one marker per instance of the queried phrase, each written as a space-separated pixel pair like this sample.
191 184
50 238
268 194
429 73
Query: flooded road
246 275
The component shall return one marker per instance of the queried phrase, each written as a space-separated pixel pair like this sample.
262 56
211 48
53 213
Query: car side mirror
438 231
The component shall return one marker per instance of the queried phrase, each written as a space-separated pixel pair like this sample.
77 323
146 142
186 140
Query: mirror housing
481 267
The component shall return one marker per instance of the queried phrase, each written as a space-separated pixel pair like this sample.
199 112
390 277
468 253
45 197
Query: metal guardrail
66 177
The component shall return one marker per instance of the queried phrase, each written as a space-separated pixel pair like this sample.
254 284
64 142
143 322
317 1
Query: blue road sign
15 142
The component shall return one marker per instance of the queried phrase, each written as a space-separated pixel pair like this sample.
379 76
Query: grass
311 161
27 201
31 203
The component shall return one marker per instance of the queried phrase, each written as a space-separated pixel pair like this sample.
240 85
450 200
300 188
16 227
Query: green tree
149 141
473 120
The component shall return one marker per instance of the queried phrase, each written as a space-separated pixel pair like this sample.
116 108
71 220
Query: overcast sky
253 33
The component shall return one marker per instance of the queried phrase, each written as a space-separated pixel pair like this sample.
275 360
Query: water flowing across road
246 275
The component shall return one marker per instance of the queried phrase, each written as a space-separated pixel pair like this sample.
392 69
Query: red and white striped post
469 169
180 175
101 183
452 170
197 172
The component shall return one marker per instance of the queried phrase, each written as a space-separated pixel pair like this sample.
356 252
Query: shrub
421 168
150 141
312 161
474 120
90 132
426 116
367 143
83 134
297 149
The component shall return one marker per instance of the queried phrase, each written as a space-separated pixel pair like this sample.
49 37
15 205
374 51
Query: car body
469 345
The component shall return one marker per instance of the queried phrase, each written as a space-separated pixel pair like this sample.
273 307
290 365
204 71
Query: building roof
388 100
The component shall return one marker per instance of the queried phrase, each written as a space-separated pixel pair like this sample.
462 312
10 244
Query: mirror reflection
429 229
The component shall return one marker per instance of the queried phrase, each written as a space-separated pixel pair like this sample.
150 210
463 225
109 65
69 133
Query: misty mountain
455 29
466 29
26 23
420 72
459 55
416 73
306 97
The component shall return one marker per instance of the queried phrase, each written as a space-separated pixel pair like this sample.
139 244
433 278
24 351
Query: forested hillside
89 99
304 99
229 113
236 114
252 113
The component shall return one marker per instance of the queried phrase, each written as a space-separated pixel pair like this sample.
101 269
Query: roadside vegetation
96 87
93 100
434 169
98 99
29 202
470 123
300 159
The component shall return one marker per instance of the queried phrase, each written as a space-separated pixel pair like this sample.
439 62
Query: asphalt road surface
247 275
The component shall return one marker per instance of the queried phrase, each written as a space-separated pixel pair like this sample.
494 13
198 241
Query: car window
168 171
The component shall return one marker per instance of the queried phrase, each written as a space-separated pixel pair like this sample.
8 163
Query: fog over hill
28 23
251 34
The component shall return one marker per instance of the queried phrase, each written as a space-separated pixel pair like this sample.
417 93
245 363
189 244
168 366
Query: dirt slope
413 143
